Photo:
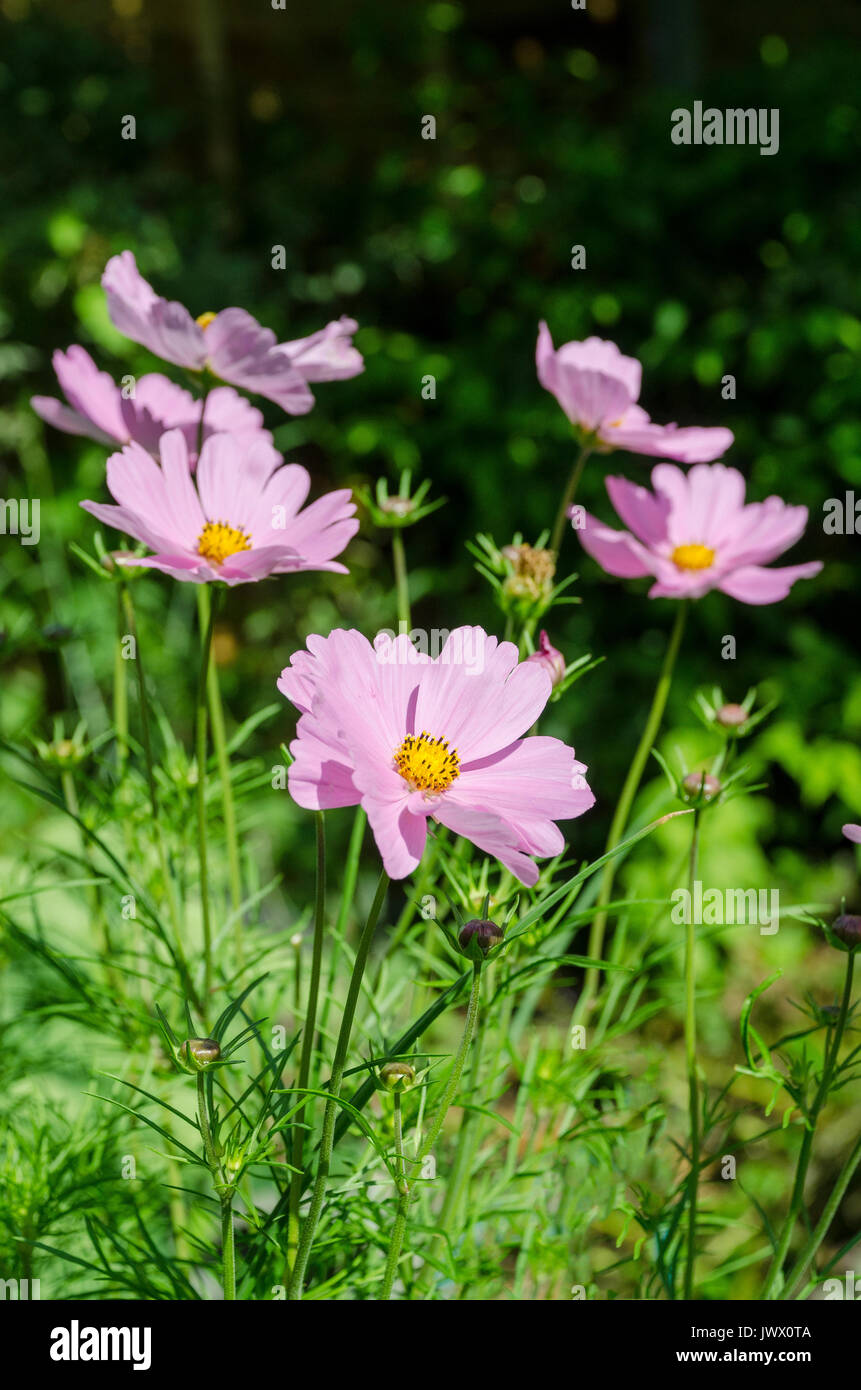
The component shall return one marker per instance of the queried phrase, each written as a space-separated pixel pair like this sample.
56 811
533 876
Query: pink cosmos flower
695 533
98 409
411 737
231 344
236 520
853 833
598 388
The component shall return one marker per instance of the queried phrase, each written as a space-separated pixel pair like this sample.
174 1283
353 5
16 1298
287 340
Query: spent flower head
394 511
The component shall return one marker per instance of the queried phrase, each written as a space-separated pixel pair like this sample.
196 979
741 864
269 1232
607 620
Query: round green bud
397 1076
199 1052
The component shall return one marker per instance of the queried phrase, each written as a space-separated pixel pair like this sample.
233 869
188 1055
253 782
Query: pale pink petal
245 354
592 381
691 444
491 834
617 552
752 584
853 833
327 355
53 412
163 326
643 512
92 393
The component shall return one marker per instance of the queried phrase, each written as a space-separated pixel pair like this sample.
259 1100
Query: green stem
818 1235
400 1160
348 892
804 1154
164 863
307 1043
402 583
219 743
200 745
97 910
228 1252
567 498
223 1190
448 1095
340 1060
467 1136
691 1063
623 809
121 694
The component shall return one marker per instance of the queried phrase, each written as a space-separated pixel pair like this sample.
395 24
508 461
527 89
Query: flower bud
199 1052
731 716
697 785
549 659
397 1076
485 934
847 929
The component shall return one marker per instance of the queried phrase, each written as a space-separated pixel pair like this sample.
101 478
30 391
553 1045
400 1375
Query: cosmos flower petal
328 354
206 517
165 327
695 533
616 552
393 716
753 584
598 389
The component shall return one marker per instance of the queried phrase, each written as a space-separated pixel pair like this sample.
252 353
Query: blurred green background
257 127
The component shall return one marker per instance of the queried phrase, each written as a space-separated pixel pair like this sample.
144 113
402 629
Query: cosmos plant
462 761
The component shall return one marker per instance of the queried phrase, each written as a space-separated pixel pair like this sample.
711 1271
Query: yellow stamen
693 557
218 541
426 763
204 320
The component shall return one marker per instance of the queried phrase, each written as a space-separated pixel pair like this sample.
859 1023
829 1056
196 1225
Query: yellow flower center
427 763
204 320
693 557
218 541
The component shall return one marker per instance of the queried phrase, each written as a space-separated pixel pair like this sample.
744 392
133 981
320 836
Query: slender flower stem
164 862
200 744
467 1136
309 1025
97 908
400 1160
219 743
228 1254
223 1190
691 1063
348 890
324 1160
121 692
568 497
829 1212
401 581
828 1065
448 1095
623 809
